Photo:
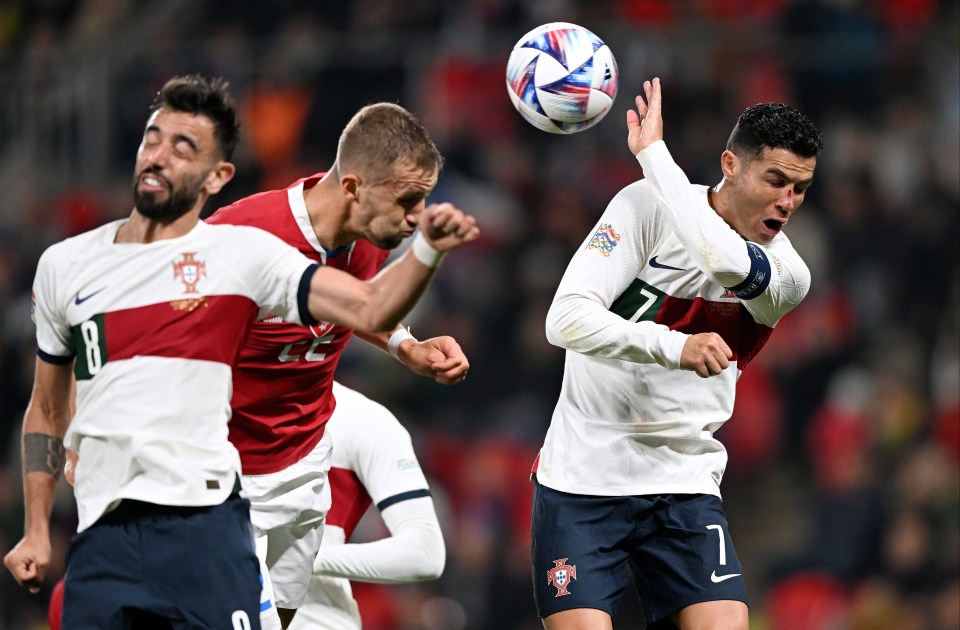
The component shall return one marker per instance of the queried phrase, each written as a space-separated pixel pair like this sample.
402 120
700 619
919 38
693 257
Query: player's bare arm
440 358
379 303
44 424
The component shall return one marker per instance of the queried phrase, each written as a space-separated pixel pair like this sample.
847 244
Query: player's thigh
689 558
291 552
104 579
579 619
716 615
297 495
576 551
206 565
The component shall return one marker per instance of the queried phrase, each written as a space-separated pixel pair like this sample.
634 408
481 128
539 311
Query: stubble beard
180 200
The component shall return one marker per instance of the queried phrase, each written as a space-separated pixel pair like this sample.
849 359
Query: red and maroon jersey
282 382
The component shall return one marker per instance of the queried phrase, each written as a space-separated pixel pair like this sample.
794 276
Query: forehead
784 161
404 175
195 126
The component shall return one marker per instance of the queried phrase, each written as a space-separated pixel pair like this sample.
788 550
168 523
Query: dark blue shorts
677 546
152 566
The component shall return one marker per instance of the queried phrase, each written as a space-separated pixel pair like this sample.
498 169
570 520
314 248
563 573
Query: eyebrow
176 138
779 173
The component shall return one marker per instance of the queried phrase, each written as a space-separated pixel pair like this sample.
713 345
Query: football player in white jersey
373 463
663 306
148 313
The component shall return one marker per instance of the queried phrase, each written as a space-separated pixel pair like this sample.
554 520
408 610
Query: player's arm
745 268
379 304
413 552
440 358
583 316
44 425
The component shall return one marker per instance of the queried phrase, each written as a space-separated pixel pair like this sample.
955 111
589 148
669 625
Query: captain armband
758 278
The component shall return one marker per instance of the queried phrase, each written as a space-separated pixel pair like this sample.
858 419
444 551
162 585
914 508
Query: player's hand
447 227
440 358
70 467
707 354
645 125
28 562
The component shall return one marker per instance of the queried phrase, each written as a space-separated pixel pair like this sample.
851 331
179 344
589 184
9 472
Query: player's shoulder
85 243
242 239
260 209
357 415
640 196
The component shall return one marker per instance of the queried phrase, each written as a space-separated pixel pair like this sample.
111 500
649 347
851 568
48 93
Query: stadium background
842 489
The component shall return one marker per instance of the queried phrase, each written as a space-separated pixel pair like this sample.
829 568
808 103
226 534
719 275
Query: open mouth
773 226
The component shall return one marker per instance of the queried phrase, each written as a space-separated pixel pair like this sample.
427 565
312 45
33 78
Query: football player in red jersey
350 218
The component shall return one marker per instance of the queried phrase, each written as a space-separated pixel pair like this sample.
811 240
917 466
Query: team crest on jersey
560 576
605 239
321 329
189 271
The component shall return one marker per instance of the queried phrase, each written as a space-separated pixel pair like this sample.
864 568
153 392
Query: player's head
774 126
380 135
187 144
767 167
387 165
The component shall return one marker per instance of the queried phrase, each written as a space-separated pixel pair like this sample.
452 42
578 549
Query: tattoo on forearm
43 453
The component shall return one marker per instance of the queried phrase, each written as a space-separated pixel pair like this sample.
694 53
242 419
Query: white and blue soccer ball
562 78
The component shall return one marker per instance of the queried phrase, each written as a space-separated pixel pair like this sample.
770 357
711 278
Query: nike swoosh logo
660 265
716 579
80 300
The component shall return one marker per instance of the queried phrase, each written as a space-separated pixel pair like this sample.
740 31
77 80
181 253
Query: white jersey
373 462
660 265
155 329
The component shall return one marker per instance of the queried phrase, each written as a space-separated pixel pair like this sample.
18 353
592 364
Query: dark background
842 489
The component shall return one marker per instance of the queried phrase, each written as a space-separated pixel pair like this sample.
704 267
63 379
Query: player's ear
222 173
730 165
350 186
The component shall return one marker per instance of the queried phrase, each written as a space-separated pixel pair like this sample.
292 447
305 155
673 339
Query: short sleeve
277 275
53 330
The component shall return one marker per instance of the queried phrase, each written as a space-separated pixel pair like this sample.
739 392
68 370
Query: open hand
645 125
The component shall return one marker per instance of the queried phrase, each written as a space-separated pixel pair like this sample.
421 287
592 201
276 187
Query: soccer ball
562 78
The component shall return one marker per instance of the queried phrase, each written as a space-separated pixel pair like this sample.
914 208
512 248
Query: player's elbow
430 554
564 324
434 560
373 319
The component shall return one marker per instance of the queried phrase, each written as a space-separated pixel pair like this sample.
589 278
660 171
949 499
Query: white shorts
288 509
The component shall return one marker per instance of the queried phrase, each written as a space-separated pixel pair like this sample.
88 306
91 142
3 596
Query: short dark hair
381 134
777 126
196 94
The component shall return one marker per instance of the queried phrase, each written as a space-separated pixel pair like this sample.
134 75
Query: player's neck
141 229
328 213
719 198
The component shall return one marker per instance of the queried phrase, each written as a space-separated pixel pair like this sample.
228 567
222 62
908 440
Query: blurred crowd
843 488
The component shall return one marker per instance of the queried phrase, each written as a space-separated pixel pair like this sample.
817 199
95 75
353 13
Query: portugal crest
560 576
189 271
